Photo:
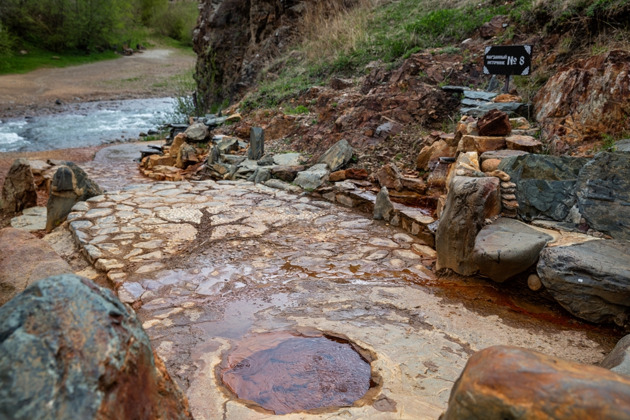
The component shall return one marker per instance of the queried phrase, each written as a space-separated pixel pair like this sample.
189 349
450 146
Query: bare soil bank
152 73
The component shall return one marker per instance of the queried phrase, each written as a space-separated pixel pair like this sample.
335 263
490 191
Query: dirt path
153 73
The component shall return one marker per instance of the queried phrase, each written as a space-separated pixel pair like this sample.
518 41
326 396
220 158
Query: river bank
153 73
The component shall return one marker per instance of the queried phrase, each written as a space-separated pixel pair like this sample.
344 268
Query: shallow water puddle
285 373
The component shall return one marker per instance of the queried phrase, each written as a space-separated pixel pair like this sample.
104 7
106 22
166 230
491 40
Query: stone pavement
207 264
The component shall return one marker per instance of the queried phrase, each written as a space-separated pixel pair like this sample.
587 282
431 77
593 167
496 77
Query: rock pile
500 174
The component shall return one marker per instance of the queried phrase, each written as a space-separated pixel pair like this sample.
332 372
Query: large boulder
591 280
469 203
503 382
585 99
72 350
337 156
24 259
545 185
18 191
507 247
70 185
603 192
618 360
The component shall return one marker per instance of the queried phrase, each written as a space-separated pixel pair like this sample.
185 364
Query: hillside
315 72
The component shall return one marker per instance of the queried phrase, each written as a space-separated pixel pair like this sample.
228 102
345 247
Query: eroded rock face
545 185
24 259
591 280
235 39
72 350
470 201
18 191
584 100
603 192
504 382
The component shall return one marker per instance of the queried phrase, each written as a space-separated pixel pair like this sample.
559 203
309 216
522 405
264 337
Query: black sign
508 59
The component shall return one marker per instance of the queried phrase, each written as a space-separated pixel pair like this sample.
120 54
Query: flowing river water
84 124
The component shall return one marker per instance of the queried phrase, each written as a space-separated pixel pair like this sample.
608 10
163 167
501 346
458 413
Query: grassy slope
390 31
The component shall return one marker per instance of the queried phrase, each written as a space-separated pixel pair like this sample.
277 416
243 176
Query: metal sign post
508 60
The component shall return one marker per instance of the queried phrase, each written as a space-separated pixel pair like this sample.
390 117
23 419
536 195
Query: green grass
391 33
298 110
38 58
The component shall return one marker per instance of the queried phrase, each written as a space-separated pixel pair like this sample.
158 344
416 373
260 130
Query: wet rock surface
286 373
72 350
508 382
591 280
207 263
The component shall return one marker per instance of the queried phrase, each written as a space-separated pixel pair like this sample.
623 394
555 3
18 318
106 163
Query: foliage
6 42
89 26
608 143
67 24
344 42
177 21
185 105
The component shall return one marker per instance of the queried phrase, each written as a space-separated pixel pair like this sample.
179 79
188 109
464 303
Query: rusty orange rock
494 123
510 382
584 100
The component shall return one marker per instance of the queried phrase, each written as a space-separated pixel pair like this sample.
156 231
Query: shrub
177 21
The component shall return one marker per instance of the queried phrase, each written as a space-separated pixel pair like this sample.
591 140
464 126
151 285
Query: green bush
185 105
6 42
177 21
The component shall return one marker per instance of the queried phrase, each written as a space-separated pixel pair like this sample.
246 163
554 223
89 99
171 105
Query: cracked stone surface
208 263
